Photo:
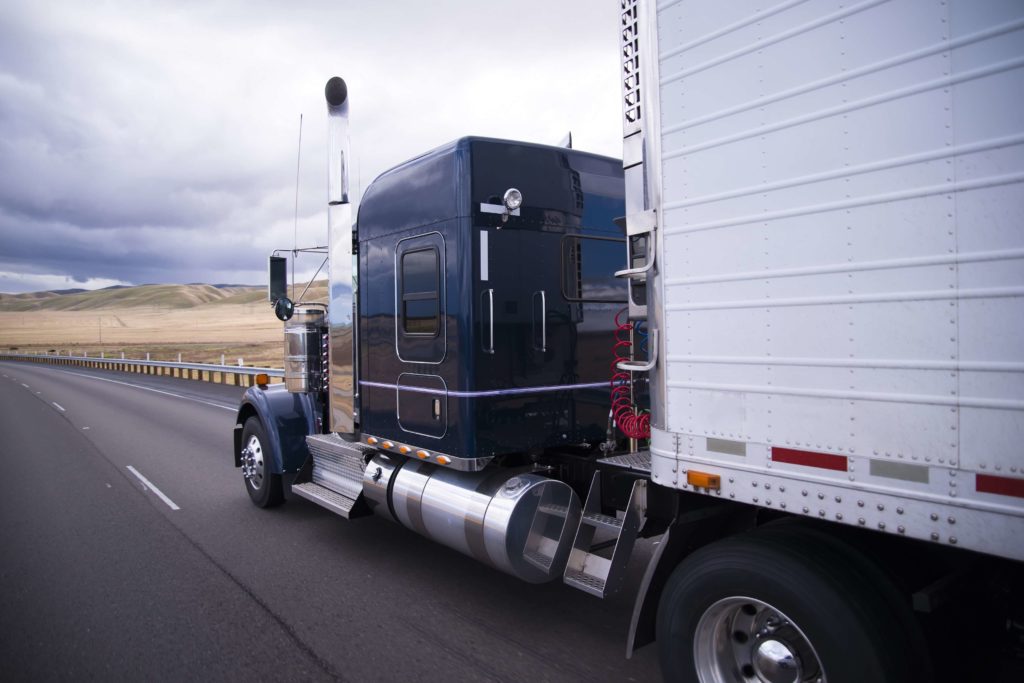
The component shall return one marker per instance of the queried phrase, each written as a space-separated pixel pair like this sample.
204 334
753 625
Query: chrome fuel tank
521 523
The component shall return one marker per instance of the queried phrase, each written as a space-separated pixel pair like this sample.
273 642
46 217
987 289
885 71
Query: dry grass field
201 322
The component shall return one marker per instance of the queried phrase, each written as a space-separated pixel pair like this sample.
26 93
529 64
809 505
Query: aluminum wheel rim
743 640
252 462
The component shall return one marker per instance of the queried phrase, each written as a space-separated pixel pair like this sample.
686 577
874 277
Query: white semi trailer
824 250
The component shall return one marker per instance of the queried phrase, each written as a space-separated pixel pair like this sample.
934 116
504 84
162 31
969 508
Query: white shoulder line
156 391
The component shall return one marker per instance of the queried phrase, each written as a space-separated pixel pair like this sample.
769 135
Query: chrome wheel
741 639
252 462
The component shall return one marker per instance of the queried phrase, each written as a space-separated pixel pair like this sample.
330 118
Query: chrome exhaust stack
341 312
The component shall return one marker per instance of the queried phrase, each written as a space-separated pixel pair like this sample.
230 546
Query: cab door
421 335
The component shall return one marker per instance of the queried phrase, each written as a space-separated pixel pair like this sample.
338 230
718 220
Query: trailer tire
261 483
759 606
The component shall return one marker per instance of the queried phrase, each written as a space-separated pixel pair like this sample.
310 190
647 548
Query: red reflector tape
825 461
1004 486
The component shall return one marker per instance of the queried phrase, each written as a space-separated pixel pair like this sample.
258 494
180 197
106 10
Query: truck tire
264 487
785 604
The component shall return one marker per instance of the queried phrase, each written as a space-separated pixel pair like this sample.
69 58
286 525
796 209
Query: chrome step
604 521
552 509
325 497
539 560
334 479
586 569
588 583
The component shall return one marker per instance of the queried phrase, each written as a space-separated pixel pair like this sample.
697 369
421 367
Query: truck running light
404 449
387 444
703 480
372 440
262 379
443 460
422 455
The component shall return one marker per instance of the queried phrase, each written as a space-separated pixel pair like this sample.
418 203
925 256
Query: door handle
543 320
640 271
643 223
489 293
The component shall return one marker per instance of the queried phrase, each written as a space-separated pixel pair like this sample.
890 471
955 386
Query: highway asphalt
104 578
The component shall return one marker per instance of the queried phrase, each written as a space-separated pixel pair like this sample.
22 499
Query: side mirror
284 309
277 269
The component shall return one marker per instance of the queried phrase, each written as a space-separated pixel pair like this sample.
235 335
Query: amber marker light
387 444
263 379
422 455
443 460
404 449
703 480
372 440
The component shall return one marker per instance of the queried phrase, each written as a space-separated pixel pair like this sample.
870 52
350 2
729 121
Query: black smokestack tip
336 91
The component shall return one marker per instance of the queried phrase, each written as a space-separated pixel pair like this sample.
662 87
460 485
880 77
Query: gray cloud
156 142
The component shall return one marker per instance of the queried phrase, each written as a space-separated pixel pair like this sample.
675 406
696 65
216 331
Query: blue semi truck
781 335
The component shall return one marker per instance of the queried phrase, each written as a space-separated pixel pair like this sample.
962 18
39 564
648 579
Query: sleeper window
420 298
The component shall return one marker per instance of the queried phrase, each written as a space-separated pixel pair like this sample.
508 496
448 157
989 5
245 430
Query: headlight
513 199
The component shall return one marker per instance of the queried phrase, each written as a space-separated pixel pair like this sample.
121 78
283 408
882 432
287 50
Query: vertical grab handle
489 293
543 347
643 223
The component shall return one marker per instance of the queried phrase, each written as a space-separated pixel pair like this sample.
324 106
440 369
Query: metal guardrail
239 375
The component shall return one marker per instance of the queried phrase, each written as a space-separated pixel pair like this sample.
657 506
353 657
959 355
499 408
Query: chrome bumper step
325 497
333 476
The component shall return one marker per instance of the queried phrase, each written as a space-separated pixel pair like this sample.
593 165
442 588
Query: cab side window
420 292
420 327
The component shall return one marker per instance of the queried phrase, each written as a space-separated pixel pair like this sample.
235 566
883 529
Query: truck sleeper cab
484 331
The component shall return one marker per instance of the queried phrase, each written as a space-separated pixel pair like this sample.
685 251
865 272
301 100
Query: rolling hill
149 296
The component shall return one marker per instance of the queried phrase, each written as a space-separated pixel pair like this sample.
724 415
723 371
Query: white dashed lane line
149 485
58 406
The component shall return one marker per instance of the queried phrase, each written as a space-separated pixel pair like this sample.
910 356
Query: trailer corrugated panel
841 262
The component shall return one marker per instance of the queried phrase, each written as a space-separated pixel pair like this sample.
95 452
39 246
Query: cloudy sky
155 142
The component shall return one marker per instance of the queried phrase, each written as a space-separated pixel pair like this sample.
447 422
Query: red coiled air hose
633 425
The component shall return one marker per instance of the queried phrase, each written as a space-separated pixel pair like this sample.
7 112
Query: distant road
129 550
